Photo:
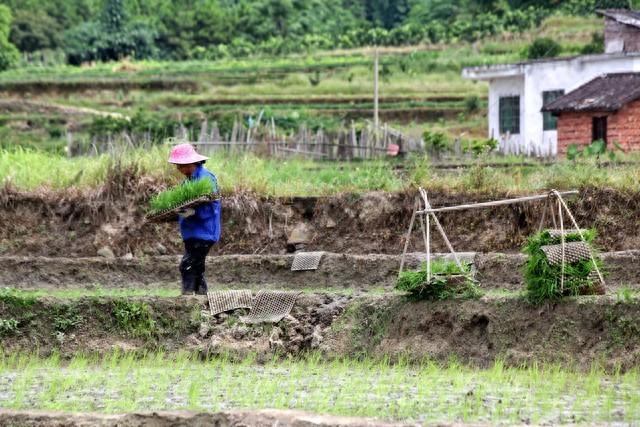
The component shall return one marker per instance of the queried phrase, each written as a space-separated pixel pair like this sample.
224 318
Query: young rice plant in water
544 280
180 194
447 281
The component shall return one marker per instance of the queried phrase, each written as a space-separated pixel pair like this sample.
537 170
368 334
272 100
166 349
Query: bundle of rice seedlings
181 194
543 278
447 281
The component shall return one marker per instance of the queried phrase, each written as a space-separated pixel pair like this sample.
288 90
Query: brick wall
573 128
623 127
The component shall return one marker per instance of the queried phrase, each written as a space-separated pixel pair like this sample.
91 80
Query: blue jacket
205 224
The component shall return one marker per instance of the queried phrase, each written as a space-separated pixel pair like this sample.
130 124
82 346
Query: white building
518 91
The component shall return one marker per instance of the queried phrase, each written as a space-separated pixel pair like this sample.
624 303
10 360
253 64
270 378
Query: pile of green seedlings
543 279
181 194
448 280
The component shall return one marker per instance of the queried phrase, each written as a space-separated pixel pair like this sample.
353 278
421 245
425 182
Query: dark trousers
192 266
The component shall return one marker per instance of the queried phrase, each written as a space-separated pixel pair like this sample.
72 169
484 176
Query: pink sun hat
184 154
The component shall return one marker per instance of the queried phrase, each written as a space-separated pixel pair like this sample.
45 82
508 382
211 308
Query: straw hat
184 154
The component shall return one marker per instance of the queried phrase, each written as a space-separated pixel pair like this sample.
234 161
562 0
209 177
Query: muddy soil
339 271
75 224
575 332
263 418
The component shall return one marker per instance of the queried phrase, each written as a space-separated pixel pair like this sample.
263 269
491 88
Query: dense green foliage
595 46
180 194
447 281
211 29
543 48
133 317
543 280
8 52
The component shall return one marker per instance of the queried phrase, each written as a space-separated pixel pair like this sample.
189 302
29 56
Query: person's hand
186 213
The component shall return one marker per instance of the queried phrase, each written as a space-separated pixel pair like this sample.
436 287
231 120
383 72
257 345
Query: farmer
200 227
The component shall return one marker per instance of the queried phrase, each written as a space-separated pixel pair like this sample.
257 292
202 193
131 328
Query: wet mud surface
341 271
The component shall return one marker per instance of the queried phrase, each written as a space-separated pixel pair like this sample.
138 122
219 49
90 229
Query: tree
9 54
427 11
5 21
34 30
112 38
114 16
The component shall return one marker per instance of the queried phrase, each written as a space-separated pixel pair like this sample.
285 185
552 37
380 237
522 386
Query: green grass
543 280
424 393
134 317
95 291
30 170
180 194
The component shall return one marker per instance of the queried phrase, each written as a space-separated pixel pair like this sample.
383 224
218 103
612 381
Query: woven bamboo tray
169 215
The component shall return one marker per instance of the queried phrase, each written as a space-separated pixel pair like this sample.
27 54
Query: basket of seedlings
447 280
164 207
546 277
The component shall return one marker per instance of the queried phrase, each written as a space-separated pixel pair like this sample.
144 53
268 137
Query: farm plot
424 393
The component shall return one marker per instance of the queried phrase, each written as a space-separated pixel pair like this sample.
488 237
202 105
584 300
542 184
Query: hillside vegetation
421 88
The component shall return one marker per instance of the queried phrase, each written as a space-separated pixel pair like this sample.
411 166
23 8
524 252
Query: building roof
486 72
609 92
623 16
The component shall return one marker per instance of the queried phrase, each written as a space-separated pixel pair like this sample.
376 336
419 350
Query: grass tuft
16 299
447 281
135 318
544 280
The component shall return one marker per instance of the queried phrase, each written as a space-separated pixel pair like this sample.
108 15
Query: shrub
543 280
435 141
472 104
66 318
595 150
480 146
447 281
543 48
595 46
134 317
180 194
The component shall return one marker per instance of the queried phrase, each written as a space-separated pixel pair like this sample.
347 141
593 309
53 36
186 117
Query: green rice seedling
543 280
448 281
181 194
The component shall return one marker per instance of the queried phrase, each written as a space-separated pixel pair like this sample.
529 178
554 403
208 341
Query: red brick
623 127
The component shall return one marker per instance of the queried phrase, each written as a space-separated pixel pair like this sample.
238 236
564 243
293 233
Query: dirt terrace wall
575 332
263 418
79 224
362 272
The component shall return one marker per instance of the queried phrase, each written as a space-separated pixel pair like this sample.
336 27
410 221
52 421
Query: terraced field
109 336
420 88
113 336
